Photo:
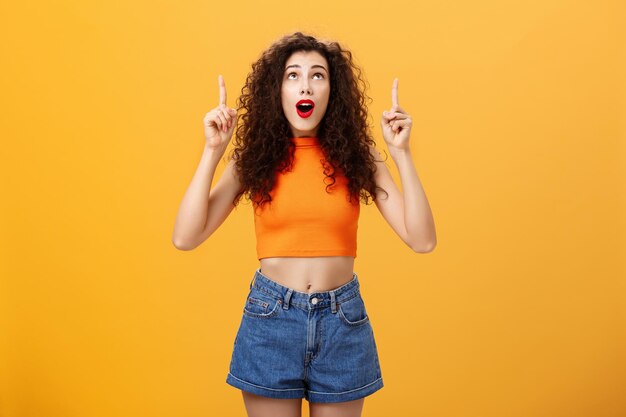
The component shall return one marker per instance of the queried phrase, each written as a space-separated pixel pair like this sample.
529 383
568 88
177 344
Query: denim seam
271 294
319 342
345 392
259 302
352 323
272 313
261 386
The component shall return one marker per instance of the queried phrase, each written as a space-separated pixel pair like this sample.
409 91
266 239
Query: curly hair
262 143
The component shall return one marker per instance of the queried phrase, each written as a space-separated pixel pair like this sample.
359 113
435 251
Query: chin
306 128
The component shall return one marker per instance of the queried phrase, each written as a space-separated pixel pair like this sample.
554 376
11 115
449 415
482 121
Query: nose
305 88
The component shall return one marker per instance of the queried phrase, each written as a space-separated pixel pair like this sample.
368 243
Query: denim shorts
318 346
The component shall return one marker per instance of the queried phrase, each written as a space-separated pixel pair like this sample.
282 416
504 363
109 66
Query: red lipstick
305 108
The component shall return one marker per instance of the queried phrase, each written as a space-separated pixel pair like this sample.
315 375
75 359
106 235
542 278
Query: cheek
284 101
327 97
326 103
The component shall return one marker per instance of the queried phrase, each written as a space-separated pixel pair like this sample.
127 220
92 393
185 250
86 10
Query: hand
220 122
396 123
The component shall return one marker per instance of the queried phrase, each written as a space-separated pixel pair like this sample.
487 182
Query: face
305 79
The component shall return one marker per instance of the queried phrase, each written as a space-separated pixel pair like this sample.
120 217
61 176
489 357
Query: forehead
307 59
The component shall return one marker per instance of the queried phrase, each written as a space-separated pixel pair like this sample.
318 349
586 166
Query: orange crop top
303 219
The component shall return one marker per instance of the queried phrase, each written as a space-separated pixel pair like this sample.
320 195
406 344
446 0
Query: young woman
304 157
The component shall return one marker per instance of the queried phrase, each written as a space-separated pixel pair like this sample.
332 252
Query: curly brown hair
262 141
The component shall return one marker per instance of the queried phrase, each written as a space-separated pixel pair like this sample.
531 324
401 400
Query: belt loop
252 281
333 302
287 298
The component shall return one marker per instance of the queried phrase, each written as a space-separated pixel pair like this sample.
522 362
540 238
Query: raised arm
202 210
408 211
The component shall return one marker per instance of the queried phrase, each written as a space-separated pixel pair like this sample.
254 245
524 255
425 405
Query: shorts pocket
352 312
261 305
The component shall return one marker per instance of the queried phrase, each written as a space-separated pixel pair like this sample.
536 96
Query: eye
317 73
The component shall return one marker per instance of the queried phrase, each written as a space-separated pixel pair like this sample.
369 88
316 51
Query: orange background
518 139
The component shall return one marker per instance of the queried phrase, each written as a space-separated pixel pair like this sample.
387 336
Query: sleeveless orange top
303 219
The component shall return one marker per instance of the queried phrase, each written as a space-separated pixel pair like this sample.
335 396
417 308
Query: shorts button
313 300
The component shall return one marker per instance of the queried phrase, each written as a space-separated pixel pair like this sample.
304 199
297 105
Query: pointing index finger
394 93
222 90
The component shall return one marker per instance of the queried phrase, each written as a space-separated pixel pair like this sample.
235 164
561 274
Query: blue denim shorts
318 346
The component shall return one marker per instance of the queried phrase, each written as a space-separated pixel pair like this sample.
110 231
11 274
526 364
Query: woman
304 157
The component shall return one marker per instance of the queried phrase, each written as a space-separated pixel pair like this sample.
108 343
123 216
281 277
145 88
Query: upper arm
221 200
390 205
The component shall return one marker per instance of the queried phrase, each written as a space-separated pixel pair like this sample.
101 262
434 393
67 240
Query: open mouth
305 108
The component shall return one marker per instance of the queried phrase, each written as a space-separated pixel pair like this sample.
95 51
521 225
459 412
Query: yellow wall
518 139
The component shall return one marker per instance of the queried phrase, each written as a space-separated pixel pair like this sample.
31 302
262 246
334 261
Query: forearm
418 218
193 211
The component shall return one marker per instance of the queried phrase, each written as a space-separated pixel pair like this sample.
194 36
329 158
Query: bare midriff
311 274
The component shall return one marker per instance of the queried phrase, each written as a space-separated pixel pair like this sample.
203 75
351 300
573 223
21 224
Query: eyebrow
312 66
